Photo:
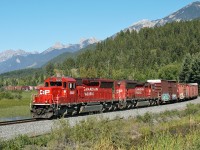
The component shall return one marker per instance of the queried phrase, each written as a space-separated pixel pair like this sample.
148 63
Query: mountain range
19 59
189 12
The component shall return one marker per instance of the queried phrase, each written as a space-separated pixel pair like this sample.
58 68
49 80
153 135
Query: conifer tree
49 69
195 70
186 69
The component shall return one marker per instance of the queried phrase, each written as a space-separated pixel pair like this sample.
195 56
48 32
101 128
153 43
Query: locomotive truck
62 96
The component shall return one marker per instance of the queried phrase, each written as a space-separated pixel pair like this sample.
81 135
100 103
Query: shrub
147 118
10 95
18 96
6 95
16 144
192 109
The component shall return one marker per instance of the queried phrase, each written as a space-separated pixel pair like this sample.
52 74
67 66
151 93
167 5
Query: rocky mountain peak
83 42
58 45
189 12
10 53
91 40
18 59
142 24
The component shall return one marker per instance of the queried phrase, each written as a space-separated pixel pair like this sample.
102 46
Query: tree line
148 54
168 52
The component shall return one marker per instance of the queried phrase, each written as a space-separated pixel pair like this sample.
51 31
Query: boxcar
193 90
167 90
172 88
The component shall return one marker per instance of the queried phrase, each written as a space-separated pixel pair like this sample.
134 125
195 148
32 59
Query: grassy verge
15 104
169 130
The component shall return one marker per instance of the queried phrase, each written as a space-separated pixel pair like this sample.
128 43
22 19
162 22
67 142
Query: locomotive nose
44 96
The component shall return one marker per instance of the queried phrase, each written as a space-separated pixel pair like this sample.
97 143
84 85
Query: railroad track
44 126
3 123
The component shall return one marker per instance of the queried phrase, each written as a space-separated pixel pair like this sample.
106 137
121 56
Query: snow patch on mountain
171 16
145 23
18 60
73 47
5 55
57 46
84 42
33 65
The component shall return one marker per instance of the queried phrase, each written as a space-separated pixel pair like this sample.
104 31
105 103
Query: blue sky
35 25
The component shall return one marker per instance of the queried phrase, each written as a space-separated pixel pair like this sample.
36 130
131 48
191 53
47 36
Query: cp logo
44 92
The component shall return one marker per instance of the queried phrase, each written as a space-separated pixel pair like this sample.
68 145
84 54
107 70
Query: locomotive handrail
31 100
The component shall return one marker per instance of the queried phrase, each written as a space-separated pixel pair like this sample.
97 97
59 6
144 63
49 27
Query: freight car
68 96
166 89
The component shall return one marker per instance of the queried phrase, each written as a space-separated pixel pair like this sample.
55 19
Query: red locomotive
68 96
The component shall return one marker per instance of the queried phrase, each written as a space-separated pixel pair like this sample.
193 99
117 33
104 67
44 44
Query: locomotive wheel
155 102
114 107
120 106
110 108
158 102
134 104
103 109
129 105
74 113
150 102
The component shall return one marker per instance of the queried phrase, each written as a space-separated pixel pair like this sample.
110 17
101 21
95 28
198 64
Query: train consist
69 96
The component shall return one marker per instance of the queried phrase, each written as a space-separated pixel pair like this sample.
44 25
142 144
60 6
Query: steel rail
3 123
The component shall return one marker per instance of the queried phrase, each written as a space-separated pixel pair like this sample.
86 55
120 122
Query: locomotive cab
56 93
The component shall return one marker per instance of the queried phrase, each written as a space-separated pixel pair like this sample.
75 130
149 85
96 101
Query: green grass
15 107
166 131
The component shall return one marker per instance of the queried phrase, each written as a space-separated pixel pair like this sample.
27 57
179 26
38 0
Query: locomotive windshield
55 83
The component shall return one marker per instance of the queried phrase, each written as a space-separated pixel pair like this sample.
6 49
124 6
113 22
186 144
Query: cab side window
64 84
46 84
72 86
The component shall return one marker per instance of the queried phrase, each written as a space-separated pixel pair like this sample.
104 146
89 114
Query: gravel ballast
42 127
